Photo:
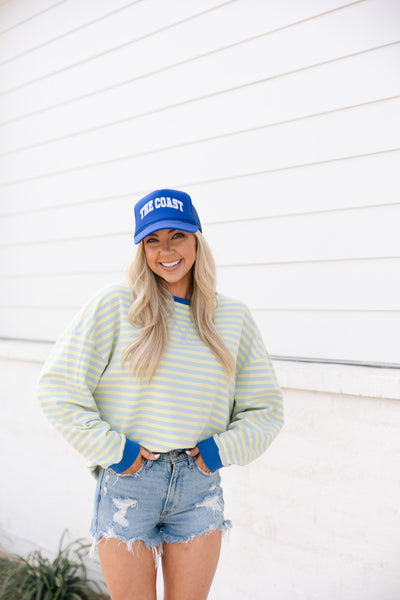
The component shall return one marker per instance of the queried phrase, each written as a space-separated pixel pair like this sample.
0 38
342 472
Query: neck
180 292
181 289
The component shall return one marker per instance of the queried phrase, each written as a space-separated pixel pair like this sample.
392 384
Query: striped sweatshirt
106 413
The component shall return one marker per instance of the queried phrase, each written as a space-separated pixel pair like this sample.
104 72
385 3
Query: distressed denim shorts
167 500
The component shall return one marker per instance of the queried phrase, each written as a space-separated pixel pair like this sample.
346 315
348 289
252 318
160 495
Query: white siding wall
281 119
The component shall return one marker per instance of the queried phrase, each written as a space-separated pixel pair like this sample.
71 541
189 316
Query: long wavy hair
152 304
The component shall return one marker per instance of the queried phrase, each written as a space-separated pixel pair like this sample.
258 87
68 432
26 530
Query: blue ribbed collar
182 300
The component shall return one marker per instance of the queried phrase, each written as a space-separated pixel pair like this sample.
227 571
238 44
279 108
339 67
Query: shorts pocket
146 464
201 470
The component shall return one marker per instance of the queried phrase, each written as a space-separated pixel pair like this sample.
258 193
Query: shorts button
175 453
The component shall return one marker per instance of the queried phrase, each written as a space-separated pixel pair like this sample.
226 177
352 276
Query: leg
189 568
129 575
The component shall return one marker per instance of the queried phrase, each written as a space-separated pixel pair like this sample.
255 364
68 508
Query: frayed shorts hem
156 545
177 539
150 544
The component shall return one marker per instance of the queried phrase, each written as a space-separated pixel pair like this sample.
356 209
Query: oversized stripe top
106 413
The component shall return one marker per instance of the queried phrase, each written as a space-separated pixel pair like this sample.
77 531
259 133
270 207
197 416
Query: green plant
38 578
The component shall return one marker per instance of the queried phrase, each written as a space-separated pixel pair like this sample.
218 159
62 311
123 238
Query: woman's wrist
130 454
210 454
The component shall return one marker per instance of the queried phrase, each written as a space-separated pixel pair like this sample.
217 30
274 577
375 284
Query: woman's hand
139 461
200 462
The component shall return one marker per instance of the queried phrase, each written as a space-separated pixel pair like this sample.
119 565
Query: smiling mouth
169 265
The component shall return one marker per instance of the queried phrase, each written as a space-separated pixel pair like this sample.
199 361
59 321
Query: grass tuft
38 578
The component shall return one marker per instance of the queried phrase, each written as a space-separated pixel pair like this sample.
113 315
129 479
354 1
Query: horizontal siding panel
339 235
284 132
15 14
335 85
137 20
59 20
120 29
75 20
357 336
366 129
348 285
372 285
58 291
289 49
102 254
39 325
333 335
371 180
343 235
104 218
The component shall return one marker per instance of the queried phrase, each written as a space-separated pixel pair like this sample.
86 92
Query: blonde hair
152 305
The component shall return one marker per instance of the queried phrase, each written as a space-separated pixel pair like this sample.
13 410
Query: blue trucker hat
165 209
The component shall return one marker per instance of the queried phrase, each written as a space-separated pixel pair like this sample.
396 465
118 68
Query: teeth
171 264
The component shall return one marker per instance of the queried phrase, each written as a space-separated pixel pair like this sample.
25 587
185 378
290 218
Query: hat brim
168 224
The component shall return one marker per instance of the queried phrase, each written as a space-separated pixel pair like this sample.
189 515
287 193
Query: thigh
129 574
189 567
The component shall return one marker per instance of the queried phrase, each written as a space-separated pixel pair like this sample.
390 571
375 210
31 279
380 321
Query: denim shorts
167 500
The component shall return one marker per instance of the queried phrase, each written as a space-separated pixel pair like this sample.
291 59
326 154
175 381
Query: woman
159 384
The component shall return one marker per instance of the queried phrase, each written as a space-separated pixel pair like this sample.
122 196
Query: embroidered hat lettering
163 202
168 202
146 209
165 209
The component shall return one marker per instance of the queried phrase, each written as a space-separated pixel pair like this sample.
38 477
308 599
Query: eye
151 240
178 234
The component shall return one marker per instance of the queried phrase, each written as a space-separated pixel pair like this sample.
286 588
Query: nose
165 246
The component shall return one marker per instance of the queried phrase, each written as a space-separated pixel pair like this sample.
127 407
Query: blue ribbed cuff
131 452
210 454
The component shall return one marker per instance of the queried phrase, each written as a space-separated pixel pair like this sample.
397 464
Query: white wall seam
206 223
289 167
124 158
286 168
199 183
294 214
119 47
211 52
311 310
124 7
45 209
220 266
31 274
380 365
33 17
67 33
307 261
198 98
200 140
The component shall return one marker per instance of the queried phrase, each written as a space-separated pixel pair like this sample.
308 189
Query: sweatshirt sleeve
70 376
257 415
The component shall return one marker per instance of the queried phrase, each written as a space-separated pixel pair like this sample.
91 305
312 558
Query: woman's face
170 254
